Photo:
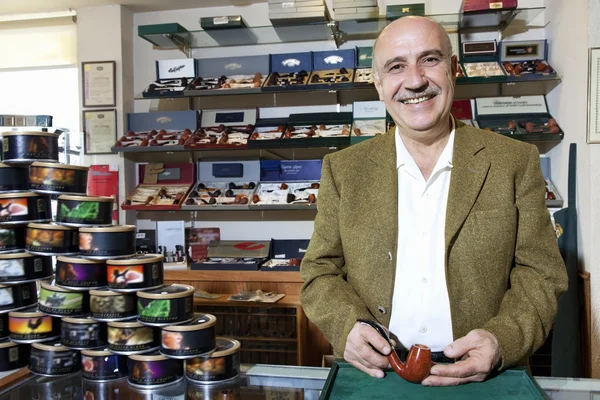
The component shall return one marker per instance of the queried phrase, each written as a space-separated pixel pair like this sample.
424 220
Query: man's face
415 75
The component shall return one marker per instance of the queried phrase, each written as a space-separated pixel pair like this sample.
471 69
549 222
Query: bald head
408 24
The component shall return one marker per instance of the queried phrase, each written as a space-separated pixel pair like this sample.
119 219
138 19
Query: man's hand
361 355
480 354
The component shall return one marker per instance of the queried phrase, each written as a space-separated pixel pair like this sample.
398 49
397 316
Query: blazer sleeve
538 277
329 301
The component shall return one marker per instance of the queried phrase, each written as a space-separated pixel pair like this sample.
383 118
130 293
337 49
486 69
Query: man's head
414 73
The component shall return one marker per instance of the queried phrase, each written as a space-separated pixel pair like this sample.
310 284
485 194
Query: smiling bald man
436 230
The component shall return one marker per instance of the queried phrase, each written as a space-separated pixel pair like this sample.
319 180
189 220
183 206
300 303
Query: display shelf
237 276
175 36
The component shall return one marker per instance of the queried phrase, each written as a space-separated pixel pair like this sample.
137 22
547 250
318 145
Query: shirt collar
445 159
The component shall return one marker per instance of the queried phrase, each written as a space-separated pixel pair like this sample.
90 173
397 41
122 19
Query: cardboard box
161 187
526 60
285 255
469 6
224 129
150 131
229 75
333 69
525 117
289 71
368 120
234 255
172 78
402 10
198 240
224 22
318 130
267 133
226 185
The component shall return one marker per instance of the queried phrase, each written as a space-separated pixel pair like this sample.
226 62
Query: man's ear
377 84
454 67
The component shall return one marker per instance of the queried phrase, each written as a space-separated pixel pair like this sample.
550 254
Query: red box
175 181
486 5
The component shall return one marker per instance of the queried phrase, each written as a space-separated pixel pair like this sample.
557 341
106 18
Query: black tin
222 366
13 178
60 302
190 340
32 326
54 178
53 359
82 333
17 208
3 326
51 240
83 211
27 147
102 365
169 305
154 370
75 273
106 305
16 297
132 274
24 267
108 242
12 239
13 355
128 338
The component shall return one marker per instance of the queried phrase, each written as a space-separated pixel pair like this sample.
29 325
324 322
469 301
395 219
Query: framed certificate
99 131
98 84
593 123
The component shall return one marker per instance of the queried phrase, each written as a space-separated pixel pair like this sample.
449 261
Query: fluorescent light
46 15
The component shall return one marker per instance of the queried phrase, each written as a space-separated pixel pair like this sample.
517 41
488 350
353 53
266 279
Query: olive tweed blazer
504 271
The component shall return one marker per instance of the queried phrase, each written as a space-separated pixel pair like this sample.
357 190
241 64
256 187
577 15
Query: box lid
250 65
291 62
168 120
334 59
290 170
265 122
242 117
175 69
229 171
461 109
482 48
171 174
368 110
286 249
495 106
523 50
239 249
223 22
320 118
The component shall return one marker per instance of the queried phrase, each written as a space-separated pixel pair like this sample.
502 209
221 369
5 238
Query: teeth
417 100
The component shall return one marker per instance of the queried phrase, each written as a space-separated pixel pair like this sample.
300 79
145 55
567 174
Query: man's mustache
404 95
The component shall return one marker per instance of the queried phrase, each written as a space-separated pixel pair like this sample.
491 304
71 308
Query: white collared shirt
420 306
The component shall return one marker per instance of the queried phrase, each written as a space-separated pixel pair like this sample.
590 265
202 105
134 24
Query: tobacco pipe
550 127
509 128
250 185
418 362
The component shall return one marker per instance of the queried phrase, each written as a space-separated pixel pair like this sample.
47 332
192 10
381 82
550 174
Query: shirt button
424 279
423 330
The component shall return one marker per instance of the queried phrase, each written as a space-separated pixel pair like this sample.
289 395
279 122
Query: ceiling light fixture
46 15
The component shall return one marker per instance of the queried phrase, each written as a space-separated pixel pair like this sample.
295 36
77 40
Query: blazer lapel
469 170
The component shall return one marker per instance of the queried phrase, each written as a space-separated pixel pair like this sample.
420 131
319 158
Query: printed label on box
170 69
369 109
220 20
511 105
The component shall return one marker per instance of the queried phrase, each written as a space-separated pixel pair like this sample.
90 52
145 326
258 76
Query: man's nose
414 77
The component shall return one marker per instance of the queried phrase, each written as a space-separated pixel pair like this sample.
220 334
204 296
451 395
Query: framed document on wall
593 125
99 131
99 84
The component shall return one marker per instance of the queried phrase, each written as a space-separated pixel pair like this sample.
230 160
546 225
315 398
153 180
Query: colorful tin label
30 147
223 365
12 238
189 340
53 360
103 366
112 308
34 328
47 240
83 211
80 274
60 302
131 338
149 372
18 296
83 334
16 208
57 178
165 306
145 272
104 245
21 267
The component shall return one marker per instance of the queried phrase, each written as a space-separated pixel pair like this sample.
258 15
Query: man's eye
431 60
395 68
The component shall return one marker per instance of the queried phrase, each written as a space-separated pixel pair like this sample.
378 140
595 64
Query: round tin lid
225 347
11 133
97 353
108 229
108 293
7 343
79 320
19 194
31 313
134 324
49 226
87 198
148 357
77 260
58 165
201 321
52 288
174 291
141 259
12 256
52 346
2 165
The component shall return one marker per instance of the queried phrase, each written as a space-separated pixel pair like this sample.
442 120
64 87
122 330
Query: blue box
43 120
167 120
290 170
289 65
282 252
334 59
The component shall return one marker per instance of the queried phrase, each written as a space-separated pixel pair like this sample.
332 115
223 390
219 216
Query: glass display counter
256 382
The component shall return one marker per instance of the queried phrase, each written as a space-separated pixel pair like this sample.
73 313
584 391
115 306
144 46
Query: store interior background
109 32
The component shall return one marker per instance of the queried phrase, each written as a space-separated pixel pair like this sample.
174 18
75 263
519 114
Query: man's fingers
461 369
460 347
354 359
371 336
450 381
365 352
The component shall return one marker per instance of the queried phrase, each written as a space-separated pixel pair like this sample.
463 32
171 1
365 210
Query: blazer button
382 309
390 255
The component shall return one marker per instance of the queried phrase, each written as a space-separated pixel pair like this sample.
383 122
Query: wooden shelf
235 276
289 300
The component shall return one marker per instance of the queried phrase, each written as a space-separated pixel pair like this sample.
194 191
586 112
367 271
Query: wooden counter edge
233 276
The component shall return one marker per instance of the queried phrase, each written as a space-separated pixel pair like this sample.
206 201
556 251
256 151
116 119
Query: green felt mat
348 383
